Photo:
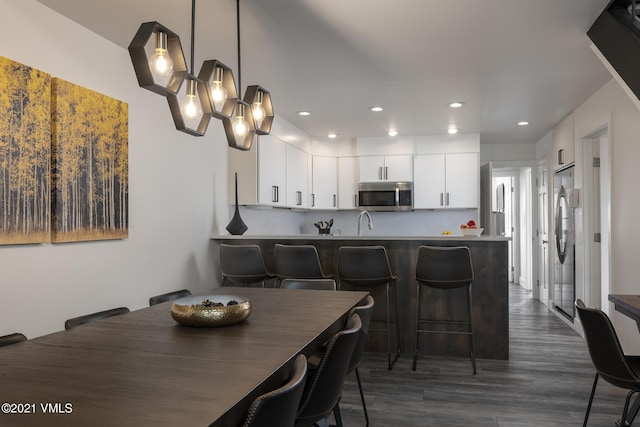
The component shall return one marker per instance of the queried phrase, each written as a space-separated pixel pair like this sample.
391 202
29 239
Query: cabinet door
462 180
272 171
371 168
398 168
429 184
325 183
347 182
296 178
563 143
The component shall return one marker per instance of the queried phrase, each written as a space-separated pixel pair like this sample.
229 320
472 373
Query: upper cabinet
446 181
348 182
324 193
297 188
563 143
386 168
272 155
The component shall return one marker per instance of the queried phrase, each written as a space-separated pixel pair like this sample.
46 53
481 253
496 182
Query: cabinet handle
274 193
447 199
386 173
380 173
299 198
313 200
441 199
561 156
355 200
334 200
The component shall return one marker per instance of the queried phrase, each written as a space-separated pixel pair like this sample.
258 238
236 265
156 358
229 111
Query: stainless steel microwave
385 196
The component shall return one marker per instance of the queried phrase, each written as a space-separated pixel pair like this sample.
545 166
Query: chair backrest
365 311
169 296
297 262
242 263
364 265
12 339
317 284
88 318
444 267
604 348
322 392
279 407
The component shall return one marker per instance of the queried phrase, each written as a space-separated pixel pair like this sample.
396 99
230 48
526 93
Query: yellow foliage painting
89 139
25 153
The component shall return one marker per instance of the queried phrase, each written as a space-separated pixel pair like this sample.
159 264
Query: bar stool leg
399 347
416 350
388 329
471 341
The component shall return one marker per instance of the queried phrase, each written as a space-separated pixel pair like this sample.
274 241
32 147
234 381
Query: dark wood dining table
629 305
143 369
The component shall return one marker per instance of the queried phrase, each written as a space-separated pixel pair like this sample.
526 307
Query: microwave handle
397 198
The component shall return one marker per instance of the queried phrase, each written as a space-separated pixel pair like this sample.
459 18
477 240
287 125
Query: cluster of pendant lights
160 67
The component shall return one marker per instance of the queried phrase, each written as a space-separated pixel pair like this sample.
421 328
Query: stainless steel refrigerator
564 230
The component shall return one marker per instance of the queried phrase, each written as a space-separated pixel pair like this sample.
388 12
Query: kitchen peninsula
490 287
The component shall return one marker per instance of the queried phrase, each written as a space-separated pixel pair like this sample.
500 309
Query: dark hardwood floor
546 382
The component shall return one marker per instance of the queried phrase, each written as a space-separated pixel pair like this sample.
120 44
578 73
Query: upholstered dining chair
608 358
322 391
280 406
243 264
315 284
88 318
367 267
12 339
297 262
169 296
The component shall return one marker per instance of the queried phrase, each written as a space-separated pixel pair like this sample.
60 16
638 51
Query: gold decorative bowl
210 311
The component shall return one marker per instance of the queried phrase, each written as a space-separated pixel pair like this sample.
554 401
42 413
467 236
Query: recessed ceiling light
452 130
393 132
523 123
333 135
456 104
376 109
304 113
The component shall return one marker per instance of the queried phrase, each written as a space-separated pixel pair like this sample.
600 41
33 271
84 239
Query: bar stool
445 268
243 264
366 267
297 262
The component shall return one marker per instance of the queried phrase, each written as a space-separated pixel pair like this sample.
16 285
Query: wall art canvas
25 153
89 139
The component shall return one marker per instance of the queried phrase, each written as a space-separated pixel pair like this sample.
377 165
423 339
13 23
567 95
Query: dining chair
316 284
12 339
297 262
367 267
243 264
169 296
608 358
280 406
445 269
322 390
88 318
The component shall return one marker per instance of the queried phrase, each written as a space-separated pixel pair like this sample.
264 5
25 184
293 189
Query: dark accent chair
322 390
243 265
608 358
315 284
297 262
88 318
279 407
446 269
367 267
12 339
169 296
365 311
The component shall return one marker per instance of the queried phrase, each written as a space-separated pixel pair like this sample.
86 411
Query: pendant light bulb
218 92
191 108
258 110
160 63
240 125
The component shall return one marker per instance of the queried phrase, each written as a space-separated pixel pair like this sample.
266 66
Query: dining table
144 369
629 305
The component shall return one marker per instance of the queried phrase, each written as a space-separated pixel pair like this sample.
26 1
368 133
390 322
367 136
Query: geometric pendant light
222 87
239 129
260 101
157 58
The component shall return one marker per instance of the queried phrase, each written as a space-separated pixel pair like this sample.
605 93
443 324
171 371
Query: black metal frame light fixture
222 86
260 101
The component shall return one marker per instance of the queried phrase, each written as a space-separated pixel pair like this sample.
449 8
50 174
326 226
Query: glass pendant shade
262 110
158 60
191 107
239 129
220 81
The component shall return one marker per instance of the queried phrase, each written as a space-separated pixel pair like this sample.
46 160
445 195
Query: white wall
507 152
177 190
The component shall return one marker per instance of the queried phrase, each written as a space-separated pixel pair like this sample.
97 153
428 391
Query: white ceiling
508 60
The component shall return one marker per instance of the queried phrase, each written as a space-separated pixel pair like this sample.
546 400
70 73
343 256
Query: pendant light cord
193 32
239 62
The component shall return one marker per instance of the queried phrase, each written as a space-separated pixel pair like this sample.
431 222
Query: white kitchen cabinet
562 137
324 193
272 155
348 182
386 168
297 189
446 181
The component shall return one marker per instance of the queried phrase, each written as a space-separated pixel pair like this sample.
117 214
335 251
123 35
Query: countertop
366 237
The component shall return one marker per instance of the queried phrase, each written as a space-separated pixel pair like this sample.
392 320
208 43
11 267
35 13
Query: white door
462 177
325 183
543 235
371 168
398 168
428 181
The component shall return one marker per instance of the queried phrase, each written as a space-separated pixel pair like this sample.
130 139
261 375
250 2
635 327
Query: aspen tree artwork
89 136
25 153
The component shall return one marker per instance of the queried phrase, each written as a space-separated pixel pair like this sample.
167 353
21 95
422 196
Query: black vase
237 225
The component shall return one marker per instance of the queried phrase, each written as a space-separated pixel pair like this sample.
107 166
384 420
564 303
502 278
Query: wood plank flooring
546 382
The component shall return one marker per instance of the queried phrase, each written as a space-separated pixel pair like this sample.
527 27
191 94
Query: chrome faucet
370 224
